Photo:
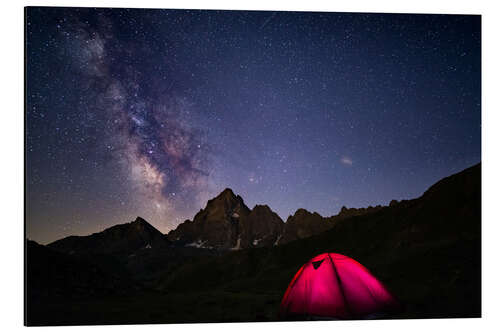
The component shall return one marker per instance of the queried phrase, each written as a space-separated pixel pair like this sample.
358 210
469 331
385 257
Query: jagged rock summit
227 223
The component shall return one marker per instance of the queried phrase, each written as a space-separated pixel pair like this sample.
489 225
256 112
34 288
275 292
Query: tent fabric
332 285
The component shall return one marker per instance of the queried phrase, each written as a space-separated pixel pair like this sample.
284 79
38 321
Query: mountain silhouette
227 223
427 251
126 238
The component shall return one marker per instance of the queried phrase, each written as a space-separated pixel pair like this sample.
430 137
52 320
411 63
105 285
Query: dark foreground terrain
427 251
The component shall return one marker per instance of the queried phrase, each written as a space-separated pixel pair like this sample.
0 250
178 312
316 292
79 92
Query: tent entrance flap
316 264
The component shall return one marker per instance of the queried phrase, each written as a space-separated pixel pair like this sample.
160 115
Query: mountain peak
226 200
141 224
262 208
120 238
140 220
226 193
301 212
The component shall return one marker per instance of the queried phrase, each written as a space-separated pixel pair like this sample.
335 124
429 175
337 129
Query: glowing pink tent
332 285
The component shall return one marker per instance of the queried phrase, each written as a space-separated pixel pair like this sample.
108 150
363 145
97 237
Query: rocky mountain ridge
227 223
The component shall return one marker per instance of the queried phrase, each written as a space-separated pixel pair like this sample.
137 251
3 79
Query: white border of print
11 173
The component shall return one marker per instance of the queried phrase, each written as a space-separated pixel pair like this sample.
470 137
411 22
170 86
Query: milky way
153 112
163 155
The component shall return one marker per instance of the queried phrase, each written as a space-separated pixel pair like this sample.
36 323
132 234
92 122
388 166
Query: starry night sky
153 112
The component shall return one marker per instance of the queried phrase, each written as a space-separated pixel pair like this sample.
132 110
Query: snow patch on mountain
238 244
199 244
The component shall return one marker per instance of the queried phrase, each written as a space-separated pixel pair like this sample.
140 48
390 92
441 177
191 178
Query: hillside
427 251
